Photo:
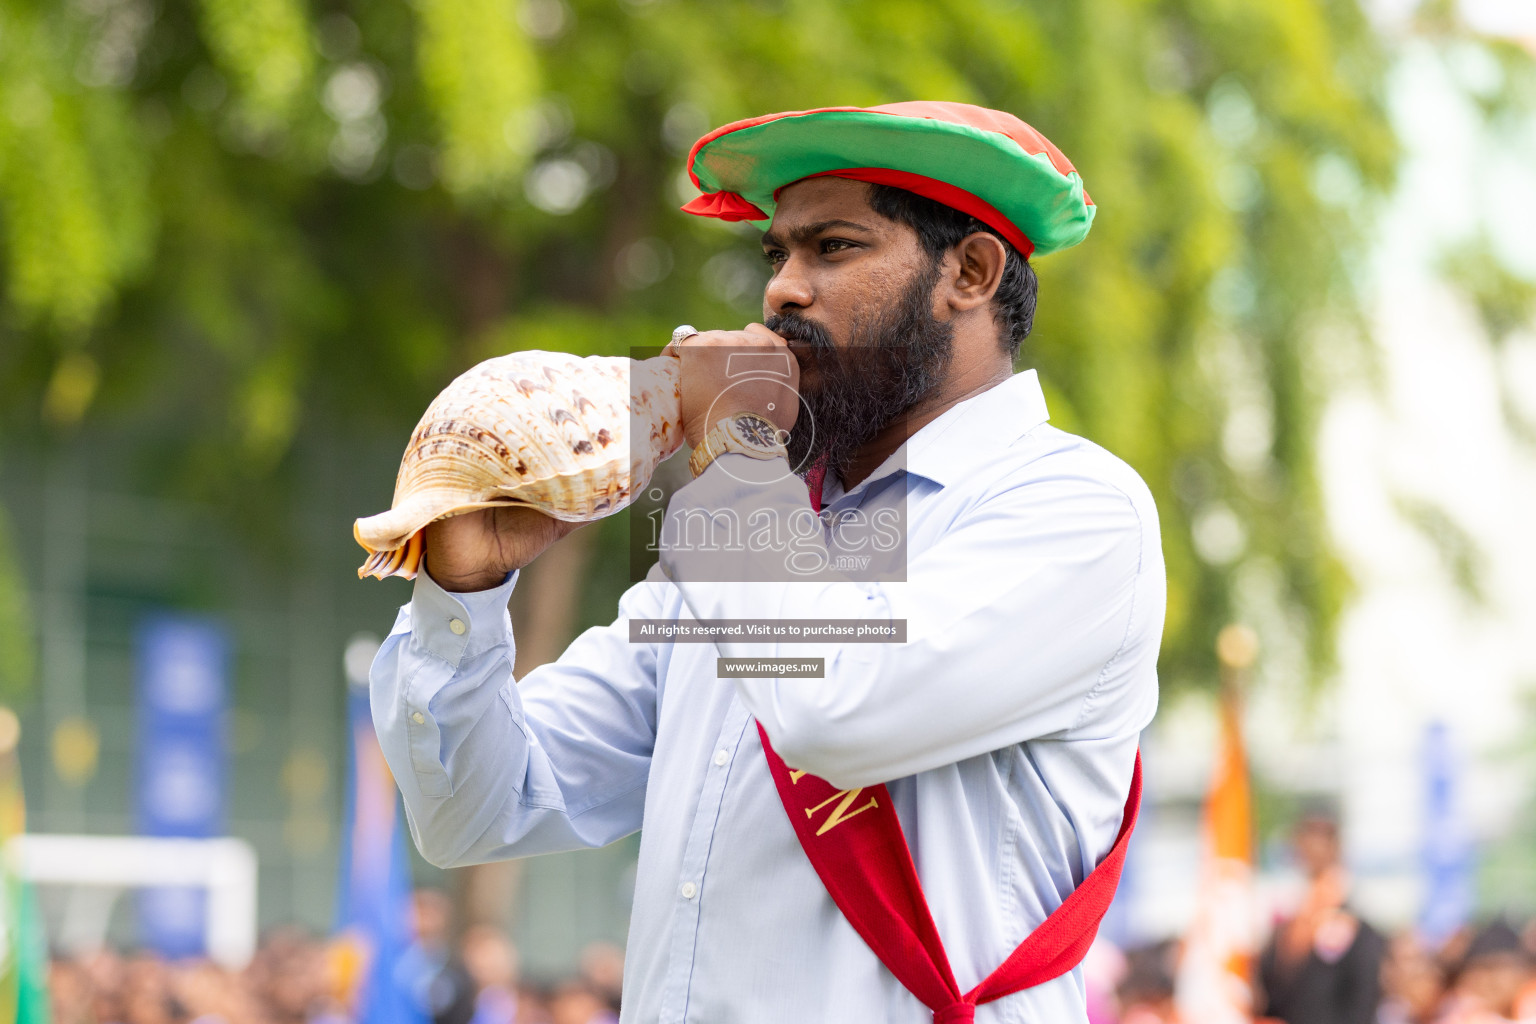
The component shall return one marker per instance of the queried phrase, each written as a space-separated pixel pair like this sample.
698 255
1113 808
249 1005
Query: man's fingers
473 551
752 335
761 330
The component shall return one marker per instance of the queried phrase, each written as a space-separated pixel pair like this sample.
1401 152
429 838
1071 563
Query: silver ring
683 331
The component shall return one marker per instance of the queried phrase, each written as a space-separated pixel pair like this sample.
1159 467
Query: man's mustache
793 327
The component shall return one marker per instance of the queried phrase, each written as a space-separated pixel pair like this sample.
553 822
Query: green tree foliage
480 75
1506 303
230 222
263 46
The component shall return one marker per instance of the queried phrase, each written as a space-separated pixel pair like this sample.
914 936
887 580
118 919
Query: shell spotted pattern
544 429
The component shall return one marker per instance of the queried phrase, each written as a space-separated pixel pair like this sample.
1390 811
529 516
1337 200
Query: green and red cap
986 163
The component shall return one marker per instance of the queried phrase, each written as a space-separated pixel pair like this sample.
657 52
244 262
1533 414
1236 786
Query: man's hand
476 550
764 378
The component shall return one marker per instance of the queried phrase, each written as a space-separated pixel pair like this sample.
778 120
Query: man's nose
789 288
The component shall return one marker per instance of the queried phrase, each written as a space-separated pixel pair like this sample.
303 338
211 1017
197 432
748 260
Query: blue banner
183 665
1446 851
373 914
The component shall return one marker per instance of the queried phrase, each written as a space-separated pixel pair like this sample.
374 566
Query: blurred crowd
298 978
1322 964
1482 975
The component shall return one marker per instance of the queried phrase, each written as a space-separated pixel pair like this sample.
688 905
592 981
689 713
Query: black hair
1317 813
940 228
1494 939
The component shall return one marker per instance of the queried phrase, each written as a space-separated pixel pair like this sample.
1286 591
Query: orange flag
1214 982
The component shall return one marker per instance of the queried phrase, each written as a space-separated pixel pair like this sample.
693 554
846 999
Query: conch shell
544 429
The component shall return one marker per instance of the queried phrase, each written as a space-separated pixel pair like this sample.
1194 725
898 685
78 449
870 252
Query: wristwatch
744 432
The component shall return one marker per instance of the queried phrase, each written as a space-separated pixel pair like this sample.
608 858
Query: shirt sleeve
491 769
1036 614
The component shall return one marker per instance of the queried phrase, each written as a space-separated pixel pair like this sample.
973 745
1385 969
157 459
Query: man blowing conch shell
932 829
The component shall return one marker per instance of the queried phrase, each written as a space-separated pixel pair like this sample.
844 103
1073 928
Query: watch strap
718 440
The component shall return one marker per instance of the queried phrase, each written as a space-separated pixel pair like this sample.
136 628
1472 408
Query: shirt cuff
453 626
747 469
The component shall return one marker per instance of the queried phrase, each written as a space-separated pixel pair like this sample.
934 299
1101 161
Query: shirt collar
964 437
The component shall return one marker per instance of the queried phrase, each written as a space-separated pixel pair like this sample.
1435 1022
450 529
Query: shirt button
689 890
721 757
418 718
457 625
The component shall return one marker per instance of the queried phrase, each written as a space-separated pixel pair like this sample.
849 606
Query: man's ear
977 270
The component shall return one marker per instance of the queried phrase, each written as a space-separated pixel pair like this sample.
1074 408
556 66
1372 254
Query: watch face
756 431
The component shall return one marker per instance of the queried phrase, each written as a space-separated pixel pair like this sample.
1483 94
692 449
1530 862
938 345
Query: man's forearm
474 766
436 675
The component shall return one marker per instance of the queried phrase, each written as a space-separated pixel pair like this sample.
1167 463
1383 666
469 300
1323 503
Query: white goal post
225 867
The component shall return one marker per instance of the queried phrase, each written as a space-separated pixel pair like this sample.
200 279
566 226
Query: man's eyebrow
806 231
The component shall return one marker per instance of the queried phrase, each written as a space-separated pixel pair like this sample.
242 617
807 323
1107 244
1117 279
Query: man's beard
891 362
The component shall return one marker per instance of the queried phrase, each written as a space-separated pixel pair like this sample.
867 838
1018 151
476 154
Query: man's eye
835 244
773 256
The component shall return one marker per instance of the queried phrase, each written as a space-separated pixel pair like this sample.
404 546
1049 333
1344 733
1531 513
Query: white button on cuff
457 625
721 757
418 718
689 890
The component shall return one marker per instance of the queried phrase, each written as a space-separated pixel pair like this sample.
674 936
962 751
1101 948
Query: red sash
854 841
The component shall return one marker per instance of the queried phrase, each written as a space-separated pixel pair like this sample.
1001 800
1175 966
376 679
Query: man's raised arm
485 776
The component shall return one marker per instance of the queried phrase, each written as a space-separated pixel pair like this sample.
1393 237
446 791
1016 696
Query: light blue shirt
1005 726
